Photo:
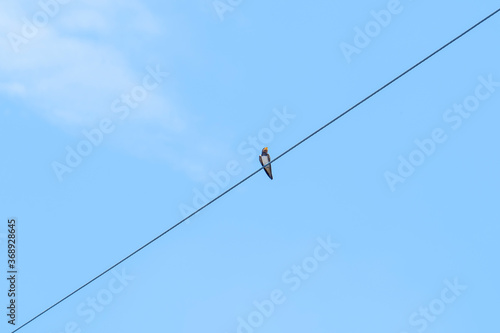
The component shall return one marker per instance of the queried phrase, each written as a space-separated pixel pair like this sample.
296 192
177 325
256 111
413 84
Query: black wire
256 171
388 84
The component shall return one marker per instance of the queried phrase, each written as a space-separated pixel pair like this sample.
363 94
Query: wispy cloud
66 71
89 54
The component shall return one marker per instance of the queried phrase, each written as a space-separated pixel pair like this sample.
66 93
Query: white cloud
67 75
89 54
72 69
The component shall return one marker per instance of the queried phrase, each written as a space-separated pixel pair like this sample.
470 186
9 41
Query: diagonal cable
256 171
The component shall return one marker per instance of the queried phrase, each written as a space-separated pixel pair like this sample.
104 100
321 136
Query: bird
265 159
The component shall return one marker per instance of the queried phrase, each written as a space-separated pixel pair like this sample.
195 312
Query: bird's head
264 150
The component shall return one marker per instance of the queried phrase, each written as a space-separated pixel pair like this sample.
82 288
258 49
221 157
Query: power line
256 171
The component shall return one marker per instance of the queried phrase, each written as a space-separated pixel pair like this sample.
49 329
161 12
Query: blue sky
119 118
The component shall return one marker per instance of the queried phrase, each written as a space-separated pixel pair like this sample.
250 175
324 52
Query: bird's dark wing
268 169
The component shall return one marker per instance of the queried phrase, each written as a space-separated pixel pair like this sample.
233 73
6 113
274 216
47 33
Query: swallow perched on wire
265 159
